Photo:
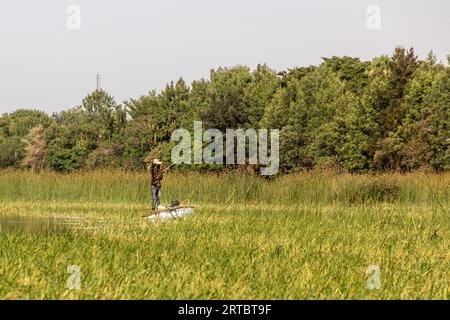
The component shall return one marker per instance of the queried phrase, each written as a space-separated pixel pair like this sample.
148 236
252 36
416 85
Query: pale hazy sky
138 45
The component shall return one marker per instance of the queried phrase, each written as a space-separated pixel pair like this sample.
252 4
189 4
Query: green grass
304 236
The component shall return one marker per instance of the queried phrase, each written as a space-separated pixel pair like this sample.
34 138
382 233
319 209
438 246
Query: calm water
42 225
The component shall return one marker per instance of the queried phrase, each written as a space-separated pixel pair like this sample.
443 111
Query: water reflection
54 224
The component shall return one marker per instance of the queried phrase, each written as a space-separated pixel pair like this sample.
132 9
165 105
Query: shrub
11 152
362 190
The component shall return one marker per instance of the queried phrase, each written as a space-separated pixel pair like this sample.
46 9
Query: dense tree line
391 113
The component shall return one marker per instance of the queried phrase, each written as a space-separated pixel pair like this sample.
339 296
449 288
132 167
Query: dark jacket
157 172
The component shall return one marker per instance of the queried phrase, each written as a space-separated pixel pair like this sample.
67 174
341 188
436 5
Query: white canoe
170 213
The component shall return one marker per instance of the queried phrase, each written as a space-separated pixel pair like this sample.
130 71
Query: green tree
105 113
70 139
351 71
258 94
144 106
11 151
20 122
425 133
301 109
154 118
13 128
401 68
227 105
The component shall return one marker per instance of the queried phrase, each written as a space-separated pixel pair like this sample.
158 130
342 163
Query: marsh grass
300 236
306 188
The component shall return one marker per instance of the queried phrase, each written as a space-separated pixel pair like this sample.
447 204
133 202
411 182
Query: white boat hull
171 214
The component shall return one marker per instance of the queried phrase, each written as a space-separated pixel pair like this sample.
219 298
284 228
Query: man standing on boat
157 172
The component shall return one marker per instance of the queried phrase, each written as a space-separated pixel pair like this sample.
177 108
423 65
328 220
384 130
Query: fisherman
157 172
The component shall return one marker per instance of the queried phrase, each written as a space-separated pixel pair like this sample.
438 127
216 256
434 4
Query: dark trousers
156 197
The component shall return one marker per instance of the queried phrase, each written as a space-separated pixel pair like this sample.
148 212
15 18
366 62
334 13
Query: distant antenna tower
98 81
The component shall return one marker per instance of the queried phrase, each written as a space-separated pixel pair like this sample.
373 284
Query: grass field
301 236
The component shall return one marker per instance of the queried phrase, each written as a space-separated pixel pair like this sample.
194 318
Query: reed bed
300 236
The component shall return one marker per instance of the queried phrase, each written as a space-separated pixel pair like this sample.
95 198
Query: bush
66 160
11 152
362 190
